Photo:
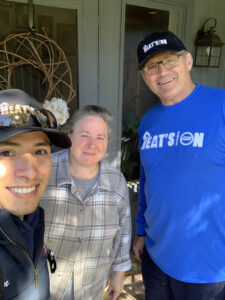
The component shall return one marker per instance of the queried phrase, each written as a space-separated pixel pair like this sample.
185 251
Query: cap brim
57 138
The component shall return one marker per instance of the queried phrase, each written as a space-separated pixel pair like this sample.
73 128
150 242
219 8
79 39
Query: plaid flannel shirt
87 237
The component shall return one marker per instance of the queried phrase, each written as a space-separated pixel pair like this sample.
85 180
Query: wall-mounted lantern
208 47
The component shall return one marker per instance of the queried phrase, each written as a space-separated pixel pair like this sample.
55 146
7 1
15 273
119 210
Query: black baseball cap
156 42
18 98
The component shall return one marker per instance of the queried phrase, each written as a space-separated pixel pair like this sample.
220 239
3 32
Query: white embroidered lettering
171 139
154 143
161 140
145 48
146 140
186 138
161 137
198 139
164 41
177 139
153 44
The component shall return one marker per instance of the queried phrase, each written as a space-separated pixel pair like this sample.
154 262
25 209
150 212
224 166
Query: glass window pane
60 25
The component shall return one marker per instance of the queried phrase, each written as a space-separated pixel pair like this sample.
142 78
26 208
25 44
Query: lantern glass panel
215 57
202 56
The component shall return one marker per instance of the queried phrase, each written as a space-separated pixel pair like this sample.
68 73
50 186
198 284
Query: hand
116 285
138 247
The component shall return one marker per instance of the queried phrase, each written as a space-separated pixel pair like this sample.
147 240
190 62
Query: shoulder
209 91
107 169
59 162
59 155
150 114
112 178
211 98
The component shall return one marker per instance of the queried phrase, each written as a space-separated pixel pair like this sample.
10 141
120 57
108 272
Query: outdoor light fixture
208 47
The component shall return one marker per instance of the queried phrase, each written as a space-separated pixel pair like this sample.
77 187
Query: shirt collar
64 176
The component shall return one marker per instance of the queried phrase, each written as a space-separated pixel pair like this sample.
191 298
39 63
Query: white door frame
177 21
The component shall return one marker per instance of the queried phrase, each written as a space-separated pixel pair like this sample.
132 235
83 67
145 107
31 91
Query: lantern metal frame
208 47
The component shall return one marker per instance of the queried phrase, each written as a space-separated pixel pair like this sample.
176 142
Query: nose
26 167
91 142
161 68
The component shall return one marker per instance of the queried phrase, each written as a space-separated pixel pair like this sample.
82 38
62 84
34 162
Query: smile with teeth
23 190
164 82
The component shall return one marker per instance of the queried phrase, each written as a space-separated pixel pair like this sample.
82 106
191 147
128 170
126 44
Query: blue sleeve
140 221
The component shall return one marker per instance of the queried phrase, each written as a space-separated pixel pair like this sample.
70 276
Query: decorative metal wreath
43 54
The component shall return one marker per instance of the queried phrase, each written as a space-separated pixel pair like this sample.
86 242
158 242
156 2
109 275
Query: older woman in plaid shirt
87 209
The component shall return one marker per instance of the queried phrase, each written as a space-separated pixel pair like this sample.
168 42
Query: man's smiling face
25 166
172 85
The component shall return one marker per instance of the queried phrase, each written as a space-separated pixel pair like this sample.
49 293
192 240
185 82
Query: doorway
137 99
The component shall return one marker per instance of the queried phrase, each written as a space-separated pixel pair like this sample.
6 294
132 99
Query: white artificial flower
59 108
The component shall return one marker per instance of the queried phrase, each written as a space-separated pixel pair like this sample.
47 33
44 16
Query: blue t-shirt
182 186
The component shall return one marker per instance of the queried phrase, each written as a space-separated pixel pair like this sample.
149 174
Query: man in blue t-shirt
181 221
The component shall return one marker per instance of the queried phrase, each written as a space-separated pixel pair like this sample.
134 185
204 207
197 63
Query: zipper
27 255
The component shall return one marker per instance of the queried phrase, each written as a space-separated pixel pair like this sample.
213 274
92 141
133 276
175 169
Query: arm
139 242
121 245
138 246
116 284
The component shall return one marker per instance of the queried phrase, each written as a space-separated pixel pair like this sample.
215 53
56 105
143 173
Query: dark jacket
25 277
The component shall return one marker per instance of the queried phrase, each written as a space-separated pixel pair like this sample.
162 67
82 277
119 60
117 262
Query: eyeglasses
16 115
169 63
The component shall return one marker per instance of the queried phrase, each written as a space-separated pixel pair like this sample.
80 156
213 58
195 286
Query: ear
189 60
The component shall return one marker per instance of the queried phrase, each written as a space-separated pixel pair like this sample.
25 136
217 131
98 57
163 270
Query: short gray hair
92 110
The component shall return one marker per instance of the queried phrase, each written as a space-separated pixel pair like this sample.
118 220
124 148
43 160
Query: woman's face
89 141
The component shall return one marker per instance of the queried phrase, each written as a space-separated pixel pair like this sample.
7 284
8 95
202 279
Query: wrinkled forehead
90 118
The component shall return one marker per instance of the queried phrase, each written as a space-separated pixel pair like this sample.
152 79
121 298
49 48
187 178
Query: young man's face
25 166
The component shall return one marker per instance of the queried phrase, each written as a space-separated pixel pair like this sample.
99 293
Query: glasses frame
178 55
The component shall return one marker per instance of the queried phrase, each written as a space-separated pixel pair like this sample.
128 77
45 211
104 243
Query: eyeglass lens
169 63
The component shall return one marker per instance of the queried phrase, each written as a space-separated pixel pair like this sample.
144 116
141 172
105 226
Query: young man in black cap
26 134
181 223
